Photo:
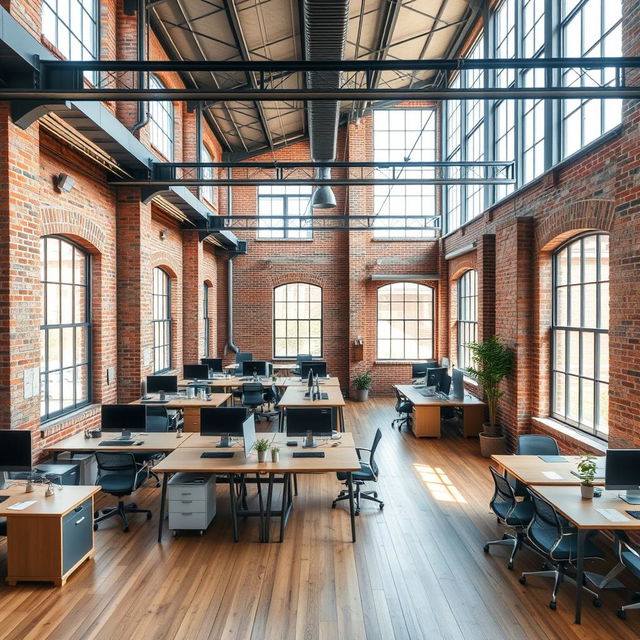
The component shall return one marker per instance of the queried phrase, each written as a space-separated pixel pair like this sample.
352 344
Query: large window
161 301
580 377
405 321
207 193
206 321
66 330
161 122
284 211
297 320
404 135
467 316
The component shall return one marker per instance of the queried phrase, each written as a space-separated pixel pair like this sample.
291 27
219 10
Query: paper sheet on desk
552 475
19 506
613 515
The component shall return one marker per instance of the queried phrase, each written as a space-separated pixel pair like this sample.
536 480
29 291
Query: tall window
208 192
467 316
405 321
580 382
66 330
161 299
161 122
284 211
297 320
404 135
206 320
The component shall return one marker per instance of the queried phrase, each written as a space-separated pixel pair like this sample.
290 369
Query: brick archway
74 226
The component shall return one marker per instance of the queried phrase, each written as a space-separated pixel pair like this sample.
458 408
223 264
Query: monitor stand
5 483
308 442
225 441
632 496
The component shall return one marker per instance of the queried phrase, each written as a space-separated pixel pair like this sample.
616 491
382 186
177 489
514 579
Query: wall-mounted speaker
63 182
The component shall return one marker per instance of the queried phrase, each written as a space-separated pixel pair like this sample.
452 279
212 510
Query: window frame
207 192
466 325
206 319
164 321
285 234
45 328
159 138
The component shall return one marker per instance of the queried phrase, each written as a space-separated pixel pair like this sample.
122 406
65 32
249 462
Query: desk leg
267 526
286 502
261 507
582 534
341 418
352 511
163 501
234 508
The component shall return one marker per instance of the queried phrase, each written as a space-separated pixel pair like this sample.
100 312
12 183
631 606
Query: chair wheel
158 485
381 506
522 579
545 566
96 514
552 605
148 516
175 533
333 504
510 566
486 548
357 513
125 530
597 603
134 505
375 494
201 532
95 527
622 614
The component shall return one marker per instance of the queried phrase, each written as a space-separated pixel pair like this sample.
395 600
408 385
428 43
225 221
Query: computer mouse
335 444
597 493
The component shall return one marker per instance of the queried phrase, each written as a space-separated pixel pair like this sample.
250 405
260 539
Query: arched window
580 374
65 371
467 315
206 321
297 320
161 122
161 302
405 321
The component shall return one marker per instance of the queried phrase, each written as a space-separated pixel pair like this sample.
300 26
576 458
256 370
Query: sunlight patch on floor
438 484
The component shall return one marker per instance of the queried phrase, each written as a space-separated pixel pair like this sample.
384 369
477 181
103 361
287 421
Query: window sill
571 435
395 362
405 239
284 239
73 416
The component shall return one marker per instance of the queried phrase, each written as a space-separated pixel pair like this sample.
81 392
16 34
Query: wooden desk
533 470
294 381
47 541
196 441
233 382
583 515
187 459
293 397
425 422
190 407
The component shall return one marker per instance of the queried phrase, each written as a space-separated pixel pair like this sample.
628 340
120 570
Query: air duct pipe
230 344
143 113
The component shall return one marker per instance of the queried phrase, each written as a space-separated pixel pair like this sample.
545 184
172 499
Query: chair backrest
122 463
533 444
503 495
243 356
545 529
399 399
303 357
445 384
372 456
157 419
252 393
275 394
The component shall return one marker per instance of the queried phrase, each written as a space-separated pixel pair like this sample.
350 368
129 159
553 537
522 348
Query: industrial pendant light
323 197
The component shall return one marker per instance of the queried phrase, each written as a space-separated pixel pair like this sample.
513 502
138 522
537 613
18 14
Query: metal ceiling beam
341 182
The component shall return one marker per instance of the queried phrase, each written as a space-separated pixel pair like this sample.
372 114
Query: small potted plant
492 362
362 383
587 467
261 446
275 454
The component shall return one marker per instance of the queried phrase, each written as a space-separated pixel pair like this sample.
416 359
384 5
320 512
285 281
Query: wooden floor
417 570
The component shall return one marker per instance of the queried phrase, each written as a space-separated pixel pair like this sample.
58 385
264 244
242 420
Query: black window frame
467 315
286 229
162 321
206 319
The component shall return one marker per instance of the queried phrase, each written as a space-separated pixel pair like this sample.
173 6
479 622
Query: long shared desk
234 382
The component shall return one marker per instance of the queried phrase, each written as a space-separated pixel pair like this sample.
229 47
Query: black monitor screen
214 364
243 356
169 384
260 367
457 380
319 421
318 367
196 371
419 369
15 450
622 469
435 376
124 417
215 421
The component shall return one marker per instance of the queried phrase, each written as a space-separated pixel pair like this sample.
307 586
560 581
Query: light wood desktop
295 381
426 412
294 397
196 441
234 382
43 544
584 516
533 470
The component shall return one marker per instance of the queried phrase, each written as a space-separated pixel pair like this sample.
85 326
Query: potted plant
261 446
362 383
275 454
492 362
587 469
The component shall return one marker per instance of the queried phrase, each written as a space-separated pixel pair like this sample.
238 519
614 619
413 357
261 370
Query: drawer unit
67 474
77 534
191 419
86 462
191 501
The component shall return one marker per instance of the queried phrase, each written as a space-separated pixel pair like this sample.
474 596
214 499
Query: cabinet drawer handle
187 514
186 494
186 501
81 519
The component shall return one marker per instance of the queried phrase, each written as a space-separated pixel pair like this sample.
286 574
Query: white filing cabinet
192 501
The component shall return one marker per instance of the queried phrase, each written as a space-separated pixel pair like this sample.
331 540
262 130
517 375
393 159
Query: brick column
192 297
486 268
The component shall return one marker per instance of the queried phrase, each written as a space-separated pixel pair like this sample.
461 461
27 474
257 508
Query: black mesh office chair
157 421
553 536
404 409
300 358
271 398
3 527
510 512
533 444
253 396
368 473
119 475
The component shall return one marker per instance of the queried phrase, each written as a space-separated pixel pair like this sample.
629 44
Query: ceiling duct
325 35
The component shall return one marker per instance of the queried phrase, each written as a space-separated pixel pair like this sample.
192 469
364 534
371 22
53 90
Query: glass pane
604 305
67 347
54 349
590 306
53 260
587 402
575 302
82 384
559 351
561 306
588 355
603 413
384 349
53 304
80 312
66 258
604 356
559 395
573 392
590 244
574 352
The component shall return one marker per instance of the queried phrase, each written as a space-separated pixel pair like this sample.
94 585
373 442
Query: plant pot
492 445
275 456
362 395
587 492
261 456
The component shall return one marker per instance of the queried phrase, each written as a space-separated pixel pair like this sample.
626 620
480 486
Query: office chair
404 409
253 397
3 527
158 421
533 444
271 397
300 358
553 536
242 356
510 512
368 473
119 475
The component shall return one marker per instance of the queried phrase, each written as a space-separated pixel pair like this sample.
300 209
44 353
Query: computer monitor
168 384
319 368
419 369
214 364
309 422
123 417
457 381
15 453
196 371
222 421
249 433
622 473
435 376
445 384
259 367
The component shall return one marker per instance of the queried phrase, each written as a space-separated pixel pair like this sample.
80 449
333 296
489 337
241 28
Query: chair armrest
360 449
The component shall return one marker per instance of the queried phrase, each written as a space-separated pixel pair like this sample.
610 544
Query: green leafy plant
493 361
262 444
275 449
587 468
363 381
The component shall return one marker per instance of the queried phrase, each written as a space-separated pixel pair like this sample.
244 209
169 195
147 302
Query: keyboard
153 401
217 454
427 393
118 443
308 454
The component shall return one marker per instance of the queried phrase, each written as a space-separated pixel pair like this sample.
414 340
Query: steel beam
344 182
